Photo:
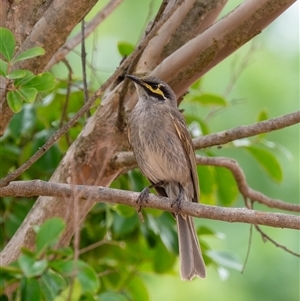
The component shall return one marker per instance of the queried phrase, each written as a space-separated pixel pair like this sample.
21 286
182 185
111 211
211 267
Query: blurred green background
267 80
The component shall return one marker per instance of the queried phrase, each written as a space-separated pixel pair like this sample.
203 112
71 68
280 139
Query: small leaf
14 101
210 99
22 81
48 233
125 48
227 189
3 68
30 53
138 289
16 74
30 289
226 259
32 267
51 284
28 94
42 82
267 161
111 296
263 115
7 43
71 293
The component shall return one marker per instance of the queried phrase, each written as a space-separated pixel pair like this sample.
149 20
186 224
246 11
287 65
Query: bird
162 145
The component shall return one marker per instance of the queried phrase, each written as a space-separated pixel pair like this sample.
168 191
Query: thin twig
266 237
83 64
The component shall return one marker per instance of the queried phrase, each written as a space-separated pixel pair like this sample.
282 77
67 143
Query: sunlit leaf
42 82
125 48
210 99
15 101
138 289
3 68
18 82
71 293
267 161
29 94
7 43
263 115
227 188
16 74
30 53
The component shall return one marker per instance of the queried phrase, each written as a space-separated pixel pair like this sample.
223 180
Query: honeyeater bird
163 149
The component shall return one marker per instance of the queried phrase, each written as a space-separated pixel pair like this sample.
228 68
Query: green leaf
125 48
210 99
3 68
42 82
267 161
7 43
124 211
22 81
263 115
15 101
84 273
111 296
51 284
48 233
30 53
163 259
225 259
227 188
71 293
32 267
123 226
207 184
138 289
16 74
28 94
30 290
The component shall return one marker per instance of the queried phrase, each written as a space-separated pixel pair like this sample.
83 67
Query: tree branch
247 131
89 28
108 195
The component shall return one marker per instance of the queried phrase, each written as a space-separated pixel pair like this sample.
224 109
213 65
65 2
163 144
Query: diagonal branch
89 28
108 195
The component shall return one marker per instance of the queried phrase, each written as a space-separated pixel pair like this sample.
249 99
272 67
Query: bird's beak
135 79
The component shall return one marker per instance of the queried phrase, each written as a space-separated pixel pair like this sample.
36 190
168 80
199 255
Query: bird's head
152 88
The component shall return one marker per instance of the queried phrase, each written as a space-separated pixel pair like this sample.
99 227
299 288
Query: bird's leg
144 195
179 199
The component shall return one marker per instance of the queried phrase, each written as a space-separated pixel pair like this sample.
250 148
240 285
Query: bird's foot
177 202
143 197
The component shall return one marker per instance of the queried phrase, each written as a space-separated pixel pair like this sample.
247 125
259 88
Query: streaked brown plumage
164 152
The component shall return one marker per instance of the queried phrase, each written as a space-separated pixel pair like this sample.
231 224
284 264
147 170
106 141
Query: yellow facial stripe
156 91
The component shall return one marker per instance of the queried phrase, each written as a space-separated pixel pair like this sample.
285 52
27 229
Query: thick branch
108 195
205 51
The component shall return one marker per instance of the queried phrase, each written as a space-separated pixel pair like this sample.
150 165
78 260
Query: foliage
117 251
22 85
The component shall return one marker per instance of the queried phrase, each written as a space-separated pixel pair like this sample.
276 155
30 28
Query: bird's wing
187 144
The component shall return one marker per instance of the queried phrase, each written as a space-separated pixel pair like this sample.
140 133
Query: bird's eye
155 86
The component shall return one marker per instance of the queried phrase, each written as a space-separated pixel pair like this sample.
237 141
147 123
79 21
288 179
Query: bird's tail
191 260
